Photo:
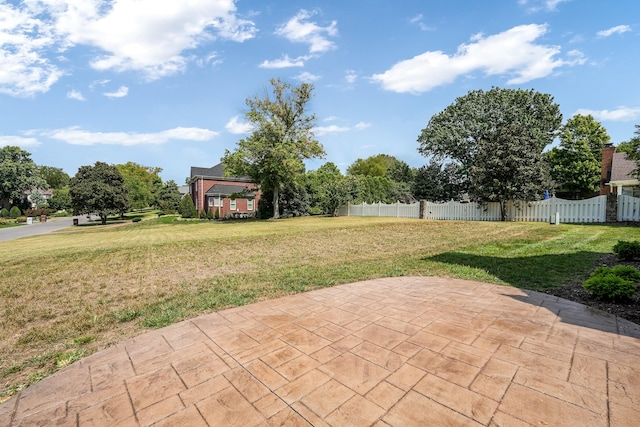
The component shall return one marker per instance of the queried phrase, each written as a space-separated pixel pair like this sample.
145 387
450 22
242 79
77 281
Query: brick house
617 174
232 196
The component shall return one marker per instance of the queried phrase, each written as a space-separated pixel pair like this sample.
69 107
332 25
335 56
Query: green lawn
94 286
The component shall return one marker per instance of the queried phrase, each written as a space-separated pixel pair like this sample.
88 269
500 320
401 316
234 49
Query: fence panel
628 208
570 211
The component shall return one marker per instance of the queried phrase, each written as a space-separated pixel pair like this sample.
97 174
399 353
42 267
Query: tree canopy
480 131
18 173
632 148
168 196
273 155
576 164
98 189
55 177
142 183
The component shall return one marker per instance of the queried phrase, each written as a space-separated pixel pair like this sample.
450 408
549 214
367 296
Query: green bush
21 219
136 220
203 214
217 214
613 284
187 209
627 251
210 214
15 212
4 213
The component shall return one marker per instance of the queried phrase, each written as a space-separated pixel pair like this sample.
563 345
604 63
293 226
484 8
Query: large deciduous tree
18 173
55 177
142 183
480 130
632 148
168 196
273 155
576 164
98 189
436 182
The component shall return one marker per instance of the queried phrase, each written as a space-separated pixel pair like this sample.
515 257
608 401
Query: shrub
15 212
217 214
136 220
187 209
4 213
21 219
210 214
627 251
613 284
203 214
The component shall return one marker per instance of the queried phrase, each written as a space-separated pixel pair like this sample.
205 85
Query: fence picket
570 211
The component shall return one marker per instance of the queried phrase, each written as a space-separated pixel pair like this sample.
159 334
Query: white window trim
249 204
217 202
233 205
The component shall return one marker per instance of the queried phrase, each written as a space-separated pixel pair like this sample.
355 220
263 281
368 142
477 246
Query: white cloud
149 36
120 93
323 130
331 119
236 127
285 62
512 53
77 136
418 20
351 76
18 141
362 125
307 77
299 30
620 114
24 41
75 94
619 29
537 5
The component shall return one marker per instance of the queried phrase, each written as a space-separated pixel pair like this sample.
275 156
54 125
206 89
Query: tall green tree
55 177
168 196
283 138
436 182
186 208
576 164
632 148
476 126
371 166
61 199
142 183
99 189
18 173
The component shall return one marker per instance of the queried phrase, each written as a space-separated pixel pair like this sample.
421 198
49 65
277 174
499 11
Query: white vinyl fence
568 211
628 208
398 210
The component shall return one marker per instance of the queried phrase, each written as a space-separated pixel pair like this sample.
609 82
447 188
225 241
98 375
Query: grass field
71 293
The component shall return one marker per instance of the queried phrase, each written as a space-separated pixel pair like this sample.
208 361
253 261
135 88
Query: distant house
47 194
617 174
210 190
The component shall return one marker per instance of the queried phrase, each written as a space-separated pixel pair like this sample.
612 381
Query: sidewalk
411 351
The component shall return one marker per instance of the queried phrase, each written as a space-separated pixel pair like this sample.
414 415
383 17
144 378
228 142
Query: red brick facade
211 190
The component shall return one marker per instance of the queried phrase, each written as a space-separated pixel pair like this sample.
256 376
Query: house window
210 201
250 204
233 205
217 202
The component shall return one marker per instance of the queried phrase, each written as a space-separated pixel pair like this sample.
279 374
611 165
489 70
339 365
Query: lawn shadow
535 272
538 272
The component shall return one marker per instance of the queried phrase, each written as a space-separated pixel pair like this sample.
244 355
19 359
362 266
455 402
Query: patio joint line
254 377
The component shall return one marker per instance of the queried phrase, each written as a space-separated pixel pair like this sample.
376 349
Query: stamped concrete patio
397 351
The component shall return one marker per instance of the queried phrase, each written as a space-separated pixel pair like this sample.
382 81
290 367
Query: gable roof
622 167
216 172
228 190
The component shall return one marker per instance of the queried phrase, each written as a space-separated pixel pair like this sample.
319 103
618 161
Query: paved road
37 228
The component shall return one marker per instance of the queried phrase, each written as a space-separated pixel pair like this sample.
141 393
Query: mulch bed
575 292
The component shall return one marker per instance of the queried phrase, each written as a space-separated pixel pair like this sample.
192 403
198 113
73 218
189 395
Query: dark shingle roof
216 171
227 190
622 168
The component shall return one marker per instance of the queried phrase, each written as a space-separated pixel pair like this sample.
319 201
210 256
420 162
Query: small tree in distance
98 189
187 209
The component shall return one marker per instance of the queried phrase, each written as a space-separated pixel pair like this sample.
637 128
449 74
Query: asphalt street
37 228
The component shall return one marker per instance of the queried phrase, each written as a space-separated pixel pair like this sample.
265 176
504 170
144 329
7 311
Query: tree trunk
103 217
503 211
276 205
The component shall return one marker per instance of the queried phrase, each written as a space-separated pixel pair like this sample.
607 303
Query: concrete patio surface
410 351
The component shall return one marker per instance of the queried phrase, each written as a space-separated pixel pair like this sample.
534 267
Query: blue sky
163 82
